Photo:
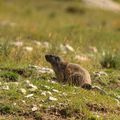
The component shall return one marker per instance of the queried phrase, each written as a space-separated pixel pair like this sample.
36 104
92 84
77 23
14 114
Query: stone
29 95
22 90
52 98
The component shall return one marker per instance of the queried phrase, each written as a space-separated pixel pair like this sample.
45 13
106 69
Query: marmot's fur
69 72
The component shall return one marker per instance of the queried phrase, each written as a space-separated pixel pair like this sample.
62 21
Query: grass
43 27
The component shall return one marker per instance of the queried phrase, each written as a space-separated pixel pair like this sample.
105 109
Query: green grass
57 22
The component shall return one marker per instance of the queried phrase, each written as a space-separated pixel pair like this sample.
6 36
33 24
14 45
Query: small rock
23 101
46 44
45 70
29 95
65 48
43 93
17 43
32 86
47 87
54 90
53 82
64 94
28 49
5 87
52 98
27 82
49 92
22 90
81 58
41 69
14 104
101 73
38 43
69 48
34 108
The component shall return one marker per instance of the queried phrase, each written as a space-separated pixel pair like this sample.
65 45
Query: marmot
69 73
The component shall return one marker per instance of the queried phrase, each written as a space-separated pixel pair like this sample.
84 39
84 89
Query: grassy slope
49 21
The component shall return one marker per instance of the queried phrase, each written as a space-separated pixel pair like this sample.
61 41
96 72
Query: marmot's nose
46 57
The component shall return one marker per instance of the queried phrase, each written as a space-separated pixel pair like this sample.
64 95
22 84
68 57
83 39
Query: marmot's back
69 73
77 74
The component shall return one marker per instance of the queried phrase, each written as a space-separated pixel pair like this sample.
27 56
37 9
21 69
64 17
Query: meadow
79 34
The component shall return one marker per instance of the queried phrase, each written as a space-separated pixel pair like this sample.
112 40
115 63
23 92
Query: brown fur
69 72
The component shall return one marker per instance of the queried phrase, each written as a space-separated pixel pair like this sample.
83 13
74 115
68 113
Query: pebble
14 104
69 48
64 94
49 92
29 95
46 44
32 86
54 90
52 98
28 49
42 69
34 108
101 73
65 48
22 90
27 82
81 58
47 87
23 101
5 87
17 43
37 43
43 93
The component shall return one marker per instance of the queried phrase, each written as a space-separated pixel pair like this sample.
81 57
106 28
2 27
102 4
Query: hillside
88 36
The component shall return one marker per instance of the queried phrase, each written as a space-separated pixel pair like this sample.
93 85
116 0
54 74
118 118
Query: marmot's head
53 59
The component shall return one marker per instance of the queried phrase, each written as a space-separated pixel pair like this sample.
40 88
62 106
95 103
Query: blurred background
82 31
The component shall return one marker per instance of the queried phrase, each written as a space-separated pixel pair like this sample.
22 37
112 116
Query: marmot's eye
56 58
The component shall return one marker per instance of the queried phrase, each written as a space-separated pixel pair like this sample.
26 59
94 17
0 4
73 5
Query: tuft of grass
7 109
9 76
110 60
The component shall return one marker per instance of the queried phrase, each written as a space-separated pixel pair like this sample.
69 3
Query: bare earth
104 4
